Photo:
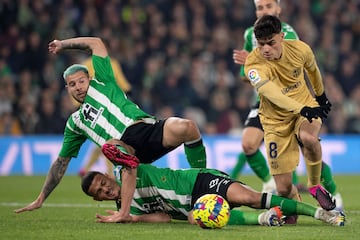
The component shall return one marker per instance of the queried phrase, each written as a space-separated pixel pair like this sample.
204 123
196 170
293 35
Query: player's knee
309 141
249 147
184 129
188 128
284 190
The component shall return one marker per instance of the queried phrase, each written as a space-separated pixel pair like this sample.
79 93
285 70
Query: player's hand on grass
314 112
114 217
239 56
32 206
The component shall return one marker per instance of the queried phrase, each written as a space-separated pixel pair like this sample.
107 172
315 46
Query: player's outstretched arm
128 178
53 178
92 44
148 218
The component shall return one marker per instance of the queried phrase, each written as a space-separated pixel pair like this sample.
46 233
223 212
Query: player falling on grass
163 194
126 87
106 114
253 133
289 114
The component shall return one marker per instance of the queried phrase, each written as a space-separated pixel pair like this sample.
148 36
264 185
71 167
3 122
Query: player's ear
282 35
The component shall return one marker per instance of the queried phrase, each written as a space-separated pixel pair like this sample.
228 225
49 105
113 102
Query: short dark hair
267 26
87 180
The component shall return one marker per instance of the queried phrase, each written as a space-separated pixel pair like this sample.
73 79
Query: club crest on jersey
254 76
296 72
91 114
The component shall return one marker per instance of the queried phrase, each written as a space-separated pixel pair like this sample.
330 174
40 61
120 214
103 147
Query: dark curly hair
87 180
266 27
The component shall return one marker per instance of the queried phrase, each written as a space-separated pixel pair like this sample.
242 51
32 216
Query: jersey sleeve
248 46
289 32
313 71
103 69
72 142
260 78
119 76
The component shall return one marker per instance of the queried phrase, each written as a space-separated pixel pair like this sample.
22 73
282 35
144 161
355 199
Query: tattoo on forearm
79 46
55 175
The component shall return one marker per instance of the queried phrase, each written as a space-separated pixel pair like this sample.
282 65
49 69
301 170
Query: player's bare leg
309 138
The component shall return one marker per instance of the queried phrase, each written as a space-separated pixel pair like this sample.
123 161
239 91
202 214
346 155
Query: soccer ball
211 211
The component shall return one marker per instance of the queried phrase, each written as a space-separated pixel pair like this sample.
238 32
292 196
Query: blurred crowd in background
176 54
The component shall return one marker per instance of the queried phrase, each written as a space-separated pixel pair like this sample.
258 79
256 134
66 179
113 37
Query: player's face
271 48
267 7
104 188
77 85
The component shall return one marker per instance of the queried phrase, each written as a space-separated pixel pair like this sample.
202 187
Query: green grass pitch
69 214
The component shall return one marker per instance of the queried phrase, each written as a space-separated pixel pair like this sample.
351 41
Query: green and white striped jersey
105 113
163 189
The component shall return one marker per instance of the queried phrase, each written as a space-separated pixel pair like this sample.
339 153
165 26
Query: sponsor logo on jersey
254 76
91 114
292 87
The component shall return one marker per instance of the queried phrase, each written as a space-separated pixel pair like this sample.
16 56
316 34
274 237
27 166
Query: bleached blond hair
278 1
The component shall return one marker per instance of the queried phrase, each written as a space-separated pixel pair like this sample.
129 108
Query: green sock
196 154
295 178
258 164
239 166
327 179
291 207
238 217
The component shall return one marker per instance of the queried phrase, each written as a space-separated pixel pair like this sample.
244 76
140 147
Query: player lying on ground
105 114
163 193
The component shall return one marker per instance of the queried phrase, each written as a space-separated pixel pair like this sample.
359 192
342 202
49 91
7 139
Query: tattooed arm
53 178
92 44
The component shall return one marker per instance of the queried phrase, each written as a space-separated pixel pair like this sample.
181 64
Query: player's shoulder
249 31
75 117
289 31
254 57
297 44
287 26
145 167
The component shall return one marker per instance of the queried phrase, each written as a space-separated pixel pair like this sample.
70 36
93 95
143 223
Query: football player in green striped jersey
163 194
106 115
253 133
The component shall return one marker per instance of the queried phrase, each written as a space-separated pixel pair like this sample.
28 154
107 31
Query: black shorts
208 183
146 139
253 119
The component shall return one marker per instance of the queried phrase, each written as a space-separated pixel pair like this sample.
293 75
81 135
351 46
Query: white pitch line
65 205
83 205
